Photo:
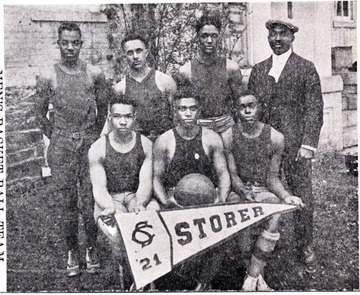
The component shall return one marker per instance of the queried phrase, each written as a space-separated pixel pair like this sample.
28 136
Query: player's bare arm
236 183
119 88
185 71
98 177
216 150
144 191
163 150
97 79
45 85
273 181
166 85
234 77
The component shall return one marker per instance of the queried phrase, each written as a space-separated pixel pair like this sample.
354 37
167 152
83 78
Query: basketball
194 189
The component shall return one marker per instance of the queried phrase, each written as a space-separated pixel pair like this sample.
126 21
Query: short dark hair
208 18
69 26
119 98
135 36
246 93
186 90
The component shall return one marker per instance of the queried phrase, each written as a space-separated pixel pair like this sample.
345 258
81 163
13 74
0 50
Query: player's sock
264 246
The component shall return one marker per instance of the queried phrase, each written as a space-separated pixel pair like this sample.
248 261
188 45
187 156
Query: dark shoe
309 255
203 287
92 261
73 263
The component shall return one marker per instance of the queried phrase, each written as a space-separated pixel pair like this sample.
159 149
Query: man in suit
289 90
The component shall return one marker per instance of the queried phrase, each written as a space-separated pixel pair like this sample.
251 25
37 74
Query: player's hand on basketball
293 200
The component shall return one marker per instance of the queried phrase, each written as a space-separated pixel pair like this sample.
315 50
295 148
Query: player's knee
273 223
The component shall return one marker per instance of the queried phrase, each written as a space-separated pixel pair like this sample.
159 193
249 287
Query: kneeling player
189 148
121 171
254 152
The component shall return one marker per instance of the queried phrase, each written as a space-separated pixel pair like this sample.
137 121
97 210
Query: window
290 10
342 8
344 14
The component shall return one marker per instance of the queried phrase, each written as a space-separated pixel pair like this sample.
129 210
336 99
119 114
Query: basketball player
121 171
152 89
75 89
254 151
189 148
217 79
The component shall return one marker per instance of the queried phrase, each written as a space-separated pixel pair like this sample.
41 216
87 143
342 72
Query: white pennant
156 241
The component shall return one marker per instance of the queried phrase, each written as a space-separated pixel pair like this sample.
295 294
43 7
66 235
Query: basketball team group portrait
181 147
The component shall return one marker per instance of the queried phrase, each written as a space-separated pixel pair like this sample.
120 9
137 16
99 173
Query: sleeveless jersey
154 111
123 169
252 155
74 101
189 157
212 87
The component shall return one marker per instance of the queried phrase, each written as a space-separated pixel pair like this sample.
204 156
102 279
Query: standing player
189 148
217 79
121 171
254 152
152 89
289 90
73 87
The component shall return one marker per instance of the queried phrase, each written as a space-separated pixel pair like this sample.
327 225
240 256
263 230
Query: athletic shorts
124 202
217 124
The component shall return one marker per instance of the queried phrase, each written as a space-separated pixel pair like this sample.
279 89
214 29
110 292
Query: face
187 111
280 39
208 38
247 108
70 44
122 117
136 54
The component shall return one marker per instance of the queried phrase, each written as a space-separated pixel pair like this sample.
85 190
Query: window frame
341 21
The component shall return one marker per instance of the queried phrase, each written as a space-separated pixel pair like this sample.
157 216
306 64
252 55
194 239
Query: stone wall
24 144
349 108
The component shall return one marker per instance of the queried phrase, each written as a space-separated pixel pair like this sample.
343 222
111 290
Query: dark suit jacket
294 105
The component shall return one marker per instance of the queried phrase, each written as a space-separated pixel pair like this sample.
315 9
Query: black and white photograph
189 146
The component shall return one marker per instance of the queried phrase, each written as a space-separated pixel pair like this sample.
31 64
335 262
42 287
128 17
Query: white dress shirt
278 64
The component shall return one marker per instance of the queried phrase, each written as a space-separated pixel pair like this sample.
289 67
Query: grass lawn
37 257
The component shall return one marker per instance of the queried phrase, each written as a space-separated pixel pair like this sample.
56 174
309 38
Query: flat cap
272 22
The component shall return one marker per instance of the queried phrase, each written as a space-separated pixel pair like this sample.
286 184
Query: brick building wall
30 48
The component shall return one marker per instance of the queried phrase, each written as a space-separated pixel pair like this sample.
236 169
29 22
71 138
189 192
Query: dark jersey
252 155
154 111
123 169
189 157
74 101
212 87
